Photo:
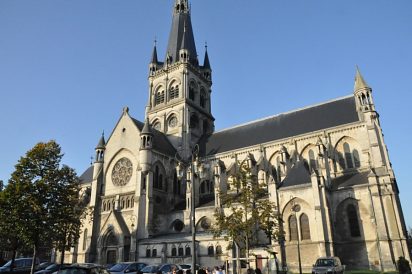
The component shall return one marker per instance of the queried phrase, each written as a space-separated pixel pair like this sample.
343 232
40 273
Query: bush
403 265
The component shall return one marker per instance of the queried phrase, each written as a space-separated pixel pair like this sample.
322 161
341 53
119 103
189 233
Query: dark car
21 266
328 265
127 267
51 269
164 268
83 269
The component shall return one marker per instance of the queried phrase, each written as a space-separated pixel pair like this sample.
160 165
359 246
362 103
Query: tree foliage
246 210
41 201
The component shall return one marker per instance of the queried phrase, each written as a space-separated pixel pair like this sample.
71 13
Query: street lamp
296 209
133 219
193 168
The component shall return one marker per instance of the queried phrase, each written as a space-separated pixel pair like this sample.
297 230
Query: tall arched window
85 239
218 250
312 161
348 155
187 251
210 250
174 92
159 97
202 98
304 227
353 221
192 91
156 178
180 251
174 251
293 228
194 121
356 158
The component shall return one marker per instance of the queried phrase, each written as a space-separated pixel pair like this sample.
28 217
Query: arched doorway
111 248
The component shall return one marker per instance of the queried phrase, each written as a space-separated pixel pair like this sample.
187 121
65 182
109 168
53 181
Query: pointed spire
146 128
206 63
154 54
184 44
102 142
181 32
359 81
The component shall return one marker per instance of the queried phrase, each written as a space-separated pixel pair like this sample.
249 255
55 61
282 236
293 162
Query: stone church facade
330 159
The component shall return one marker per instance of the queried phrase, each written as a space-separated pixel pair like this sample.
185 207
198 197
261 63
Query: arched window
160 181
348 155
156 178
202 98
159 97
173 92
304 227
104 206
174 251
210 250
312 161
356 158
187 251
148 253
192 91
122 203
218 250
154 252
85 239
194 121
293 228
180 250
353 221
202 187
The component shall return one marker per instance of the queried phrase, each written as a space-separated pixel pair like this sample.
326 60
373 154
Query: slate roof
322 116
350 180
160 142
179 23
87 176
297 175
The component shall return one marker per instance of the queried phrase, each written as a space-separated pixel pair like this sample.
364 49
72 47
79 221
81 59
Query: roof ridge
283 113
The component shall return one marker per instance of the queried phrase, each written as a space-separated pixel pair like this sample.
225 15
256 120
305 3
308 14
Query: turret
100 148
363 93
154 63
206 69
146 144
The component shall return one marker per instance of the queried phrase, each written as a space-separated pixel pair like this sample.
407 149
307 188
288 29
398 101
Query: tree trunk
13 258
62 254
33 262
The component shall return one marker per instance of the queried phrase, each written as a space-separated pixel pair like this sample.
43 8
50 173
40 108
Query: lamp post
192 167
133 219
296 209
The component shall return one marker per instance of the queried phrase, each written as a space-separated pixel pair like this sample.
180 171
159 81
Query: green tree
46 193
245 211
10 236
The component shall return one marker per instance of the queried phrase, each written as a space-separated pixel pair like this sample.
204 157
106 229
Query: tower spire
181 32
360 83
154 54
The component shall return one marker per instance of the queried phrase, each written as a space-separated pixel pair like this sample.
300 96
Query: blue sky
67 68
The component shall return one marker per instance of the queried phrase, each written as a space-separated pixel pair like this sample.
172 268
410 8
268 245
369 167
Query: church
326 167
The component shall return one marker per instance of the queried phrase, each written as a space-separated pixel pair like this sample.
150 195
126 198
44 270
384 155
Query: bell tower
179 102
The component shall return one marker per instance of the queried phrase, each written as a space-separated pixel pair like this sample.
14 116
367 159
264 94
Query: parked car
21 266
154 269
186 267
328 265
43 265
83 269
51 269
127 267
